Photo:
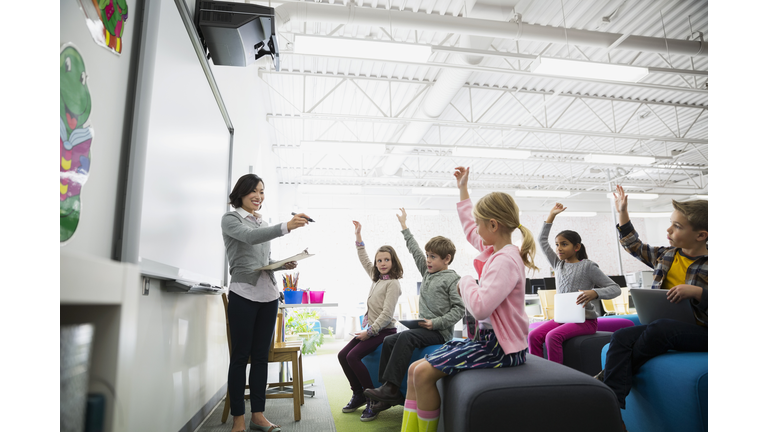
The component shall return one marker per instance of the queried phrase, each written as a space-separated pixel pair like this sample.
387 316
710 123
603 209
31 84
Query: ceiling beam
495 126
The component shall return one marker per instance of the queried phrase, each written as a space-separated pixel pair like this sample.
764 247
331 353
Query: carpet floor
321 413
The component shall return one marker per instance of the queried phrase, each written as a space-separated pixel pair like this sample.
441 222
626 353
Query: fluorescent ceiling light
344 147
637 196
649 215
577 214
420 212
436 191
698 197
361 48
587 69
496 153
543 193
619 159
330 189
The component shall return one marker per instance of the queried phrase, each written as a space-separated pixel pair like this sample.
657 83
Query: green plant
301 322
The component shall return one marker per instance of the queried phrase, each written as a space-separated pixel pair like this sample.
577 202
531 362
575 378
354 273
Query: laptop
652 304
566 309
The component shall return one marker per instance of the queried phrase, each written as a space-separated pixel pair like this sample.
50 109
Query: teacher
253 297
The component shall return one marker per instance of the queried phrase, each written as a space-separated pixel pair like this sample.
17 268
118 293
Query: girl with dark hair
253 297
383 295
573 272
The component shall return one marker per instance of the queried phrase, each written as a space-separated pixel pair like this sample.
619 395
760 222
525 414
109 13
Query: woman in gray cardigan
253 297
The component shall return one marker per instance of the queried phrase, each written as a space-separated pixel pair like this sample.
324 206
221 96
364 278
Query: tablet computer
412 324
652 304
566 309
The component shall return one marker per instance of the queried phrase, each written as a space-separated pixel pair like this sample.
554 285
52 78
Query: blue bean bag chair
669 393
371 362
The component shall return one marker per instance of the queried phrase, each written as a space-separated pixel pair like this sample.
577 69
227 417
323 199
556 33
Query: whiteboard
178 178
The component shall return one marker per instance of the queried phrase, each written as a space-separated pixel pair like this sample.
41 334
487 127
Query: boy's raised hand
358 227
402 217
620 200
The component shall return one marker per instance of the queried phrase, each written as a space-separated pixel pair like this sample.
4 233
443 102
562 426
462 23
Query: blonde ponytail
528 249
501 206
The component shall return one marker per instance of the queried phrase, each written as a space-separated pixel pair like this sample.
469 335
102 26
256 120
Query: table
285 371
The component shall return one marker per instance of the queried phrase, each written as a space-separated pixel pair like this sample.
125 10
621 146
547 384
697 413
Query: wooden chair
413 304
278 352
547 298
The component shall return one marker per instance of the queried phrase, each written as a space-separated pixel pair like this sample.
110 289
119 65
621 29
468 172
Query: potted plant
301 322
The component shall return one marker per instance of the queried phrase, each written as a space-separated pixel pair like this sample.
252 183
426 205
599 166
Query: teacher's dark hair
245 185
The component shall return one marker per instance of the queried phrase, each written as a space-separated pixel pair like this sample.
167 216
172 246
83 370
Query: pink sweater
501 292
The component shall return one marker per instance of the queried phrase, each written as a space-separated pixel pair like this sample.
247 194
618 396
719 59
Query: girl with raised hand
497 302
573 273
379 320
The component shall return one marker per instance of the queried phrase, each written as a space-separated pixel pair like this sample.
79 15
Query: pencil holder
305 297
292 297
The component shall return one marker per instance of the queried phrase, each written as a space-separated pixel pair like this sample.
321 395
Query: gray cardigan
247 247
583 275
439 300
382 297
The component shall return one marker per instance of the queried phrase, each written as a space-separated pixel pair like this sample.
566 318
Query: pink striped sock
410 404
428 415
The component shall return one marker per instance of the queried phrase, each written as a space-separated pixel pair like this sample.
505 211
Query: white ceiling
501 104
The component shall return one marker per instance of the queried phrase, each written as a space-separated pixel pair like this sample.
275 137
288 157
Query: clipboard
298 257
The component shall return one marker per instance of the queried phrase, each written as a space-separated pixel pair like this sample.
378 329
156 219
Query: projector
237 34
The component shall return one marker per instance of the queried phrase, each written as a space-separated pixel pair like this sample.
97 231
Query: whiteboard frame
131 230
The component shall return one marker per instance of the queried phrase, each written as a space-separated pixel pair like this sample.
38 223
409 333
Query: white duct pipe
304 12
450 81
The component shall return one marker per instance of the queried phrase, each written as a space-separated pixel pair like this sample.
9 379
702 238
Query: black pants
397 349
632 347
251 328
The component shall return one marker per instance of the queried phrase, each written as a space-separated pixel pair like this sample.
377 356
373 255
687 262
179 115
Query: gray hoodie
439 301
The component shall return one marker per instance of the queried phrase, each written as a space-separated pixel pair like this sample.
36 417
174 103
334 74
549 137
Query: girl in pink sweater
497 302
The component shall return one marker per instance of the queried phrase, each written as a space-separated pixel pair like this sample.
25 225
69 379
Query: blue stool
669 393
371 362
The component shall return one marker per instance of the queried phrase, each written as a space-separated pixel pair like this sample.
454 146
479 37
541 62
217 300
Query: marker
308 219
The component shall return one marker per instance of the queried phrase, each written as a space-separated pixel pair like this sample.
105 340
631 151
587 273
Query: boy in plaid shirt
681 269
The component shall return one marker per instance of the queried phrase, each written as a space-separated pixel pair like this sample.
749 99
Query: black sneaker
368 413
600 376
356 402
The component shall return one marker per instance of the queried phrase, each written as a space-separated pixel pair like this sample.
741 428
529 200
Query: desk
284 371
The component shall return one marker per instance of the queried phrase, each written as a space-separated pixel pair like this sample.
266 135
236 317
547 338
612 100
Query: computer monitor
621 280
549 283
528 287
536 285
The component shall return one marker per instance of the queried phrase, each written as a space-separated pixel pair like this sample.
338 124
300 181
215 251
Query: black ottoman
583 352
537 396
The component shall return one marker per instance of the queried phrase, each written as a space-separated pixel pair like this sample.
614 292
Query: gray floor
315 413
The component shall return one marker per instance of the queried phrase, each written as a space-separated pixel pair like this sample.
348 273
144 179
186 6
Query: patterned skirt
482 353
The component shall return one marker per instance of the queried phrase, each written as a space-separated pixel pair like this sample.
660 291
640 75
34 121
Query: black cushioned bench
539 395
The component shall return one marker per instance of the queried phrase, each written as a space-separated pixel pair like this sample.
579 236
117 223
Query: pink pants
554 334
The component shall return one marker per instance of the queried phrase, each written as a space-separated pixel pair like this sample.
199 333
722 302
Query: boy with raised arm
682 270
440 307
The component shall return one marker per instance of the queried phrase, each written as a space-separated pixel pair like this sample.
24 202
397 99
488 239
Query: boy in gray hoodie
440 307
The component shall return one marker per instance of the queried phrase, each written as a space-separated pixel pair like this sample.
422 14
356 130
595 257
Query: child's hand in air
462 176
683 292
557 209
358 227
402 217
427 324
620 200
586 297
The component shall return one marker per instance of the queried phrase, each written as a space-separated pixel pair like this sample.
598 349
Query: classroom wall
172 351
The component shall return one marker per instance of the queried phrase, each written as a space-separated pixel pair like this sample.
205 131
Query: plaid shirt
660 259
